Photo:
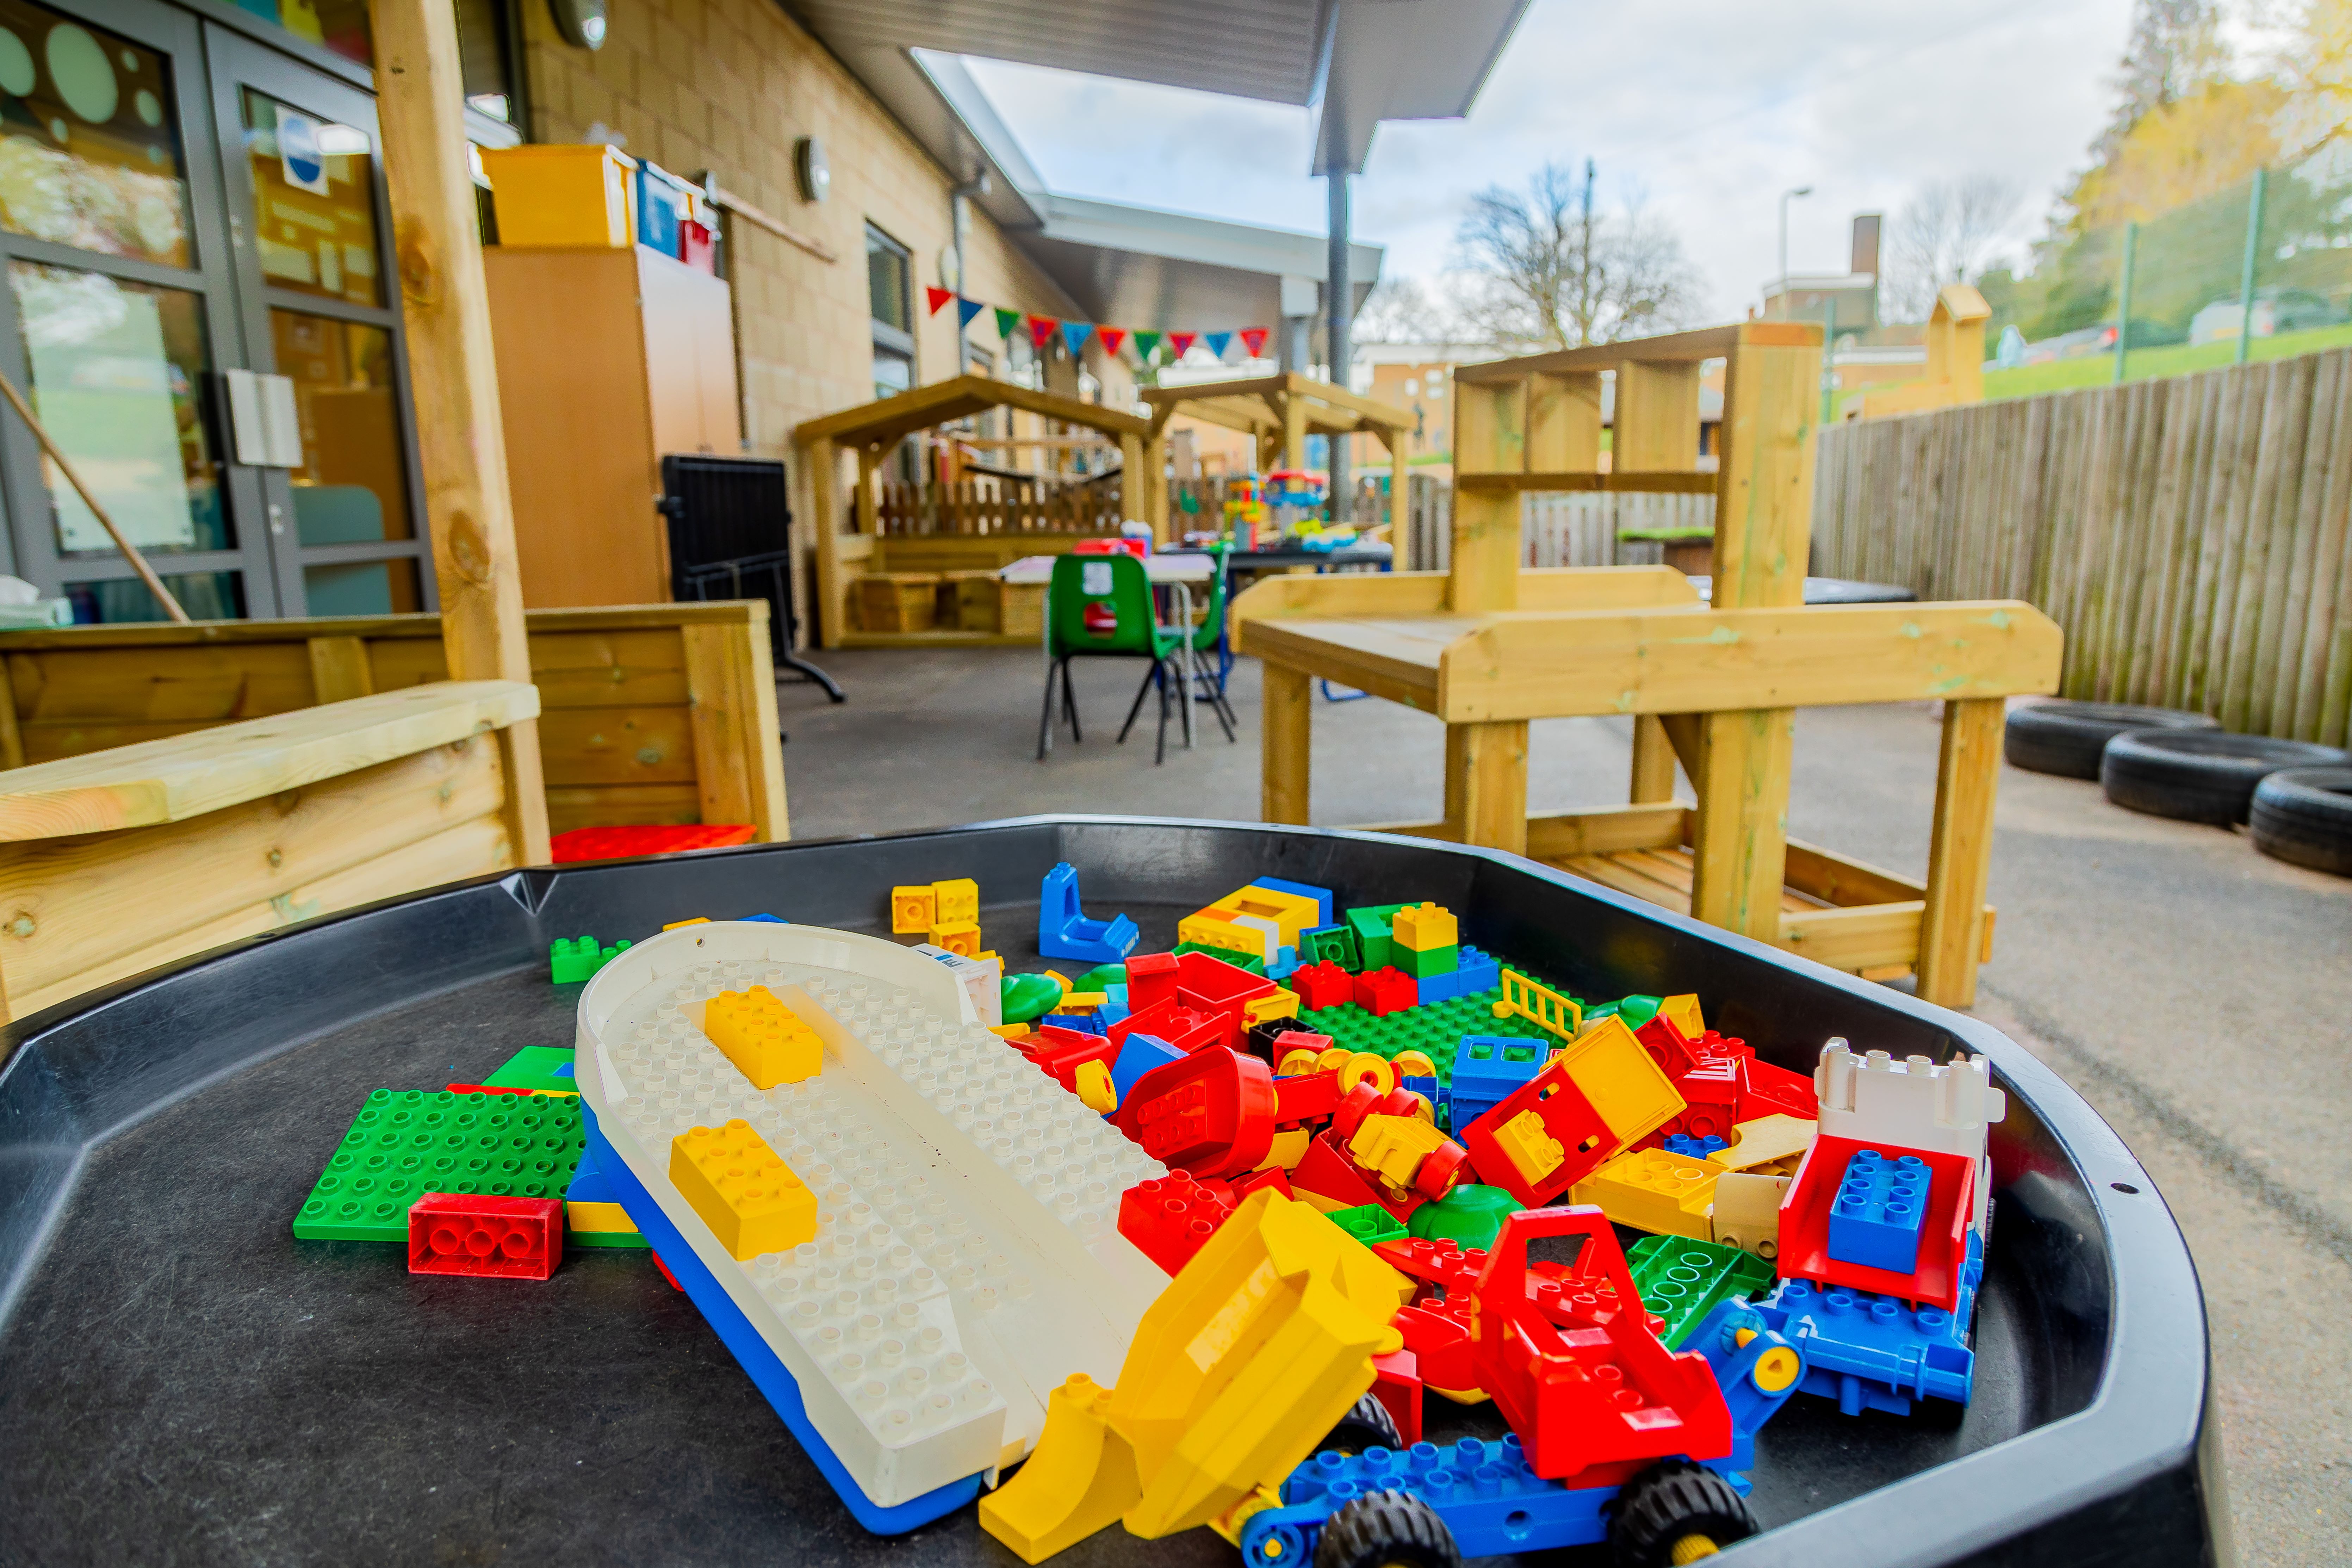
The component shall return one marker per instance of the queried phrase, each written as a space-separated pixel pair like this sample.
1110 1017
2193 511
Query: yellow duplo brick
1095 1089
697 920
1683 1013
958 900
1079 1479
1394 1147
1281 1004
742 1189
766 1040
598 1219
1525 1142
1290 912
1613 1071
960 937
1652 1190
913 908
1768 1141
1228 931
1424 927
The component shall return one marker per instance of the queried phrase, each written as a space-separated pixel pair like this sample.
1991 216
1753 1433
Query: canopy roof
890 419
1257 405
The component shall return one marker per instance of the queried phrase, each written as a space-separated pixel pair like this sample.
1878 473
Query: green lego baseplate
1435 1029
533 1066
405 1143
1682 1280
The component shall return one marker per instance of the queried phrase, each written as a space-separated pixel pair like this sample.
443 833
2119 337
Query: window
887 276
486 59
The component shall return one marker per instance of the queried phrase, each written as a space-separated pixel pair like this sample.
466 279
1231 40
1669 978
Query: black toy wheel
1368 1424
1676 1511
1387 1529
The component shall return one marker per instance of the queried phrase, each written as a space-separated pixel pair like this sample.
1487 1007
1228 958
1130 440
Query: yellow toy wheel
1776 1369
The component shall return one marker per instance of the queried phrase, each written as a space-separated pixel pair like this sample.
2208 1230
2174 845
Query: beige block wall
729 86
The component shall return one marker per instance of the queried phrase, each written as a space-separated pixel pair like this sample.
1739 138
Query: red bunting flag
1253 340
938 297
1041 330
1110 338
1181 343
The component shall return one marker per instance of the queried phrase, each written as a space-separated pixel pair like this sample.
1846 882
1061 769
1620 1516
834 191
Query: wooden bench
651 714
127 858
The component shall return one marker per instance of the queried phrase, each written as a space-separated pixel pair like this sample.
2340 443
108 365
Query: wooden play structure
1955 361
172 788
1489 645
1278 412
880 589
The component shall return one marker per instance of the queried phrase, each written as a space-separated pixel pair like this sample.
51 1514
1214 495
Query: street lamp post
1792 191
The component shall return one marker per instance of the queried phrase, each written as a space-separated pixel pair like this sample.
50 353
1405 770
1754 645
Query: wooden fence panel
2189 533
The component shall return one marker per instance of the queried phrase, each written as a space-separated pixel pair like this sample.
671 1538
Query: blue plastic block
1691 1148
770 919
1114 1007
1138 1055
1285 963
1880 1206
1876 1352
1322 896
1489 1068
660 206
1430 1089
1092 1023
768 1373
1063 932
588 1183
1473 971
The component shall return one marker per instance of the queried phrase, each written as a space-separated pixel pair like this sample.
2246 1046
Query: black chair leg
1224 710
1045 715
1170 686
1070 702
1137 706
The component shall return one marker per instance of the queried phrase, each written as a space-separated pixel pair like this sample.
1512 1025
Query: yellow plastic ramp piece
1246 1361
1079 1479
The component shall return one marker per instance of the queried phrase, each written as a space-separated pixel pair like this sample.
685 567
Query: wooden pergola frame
872 429
1489 645
1278 412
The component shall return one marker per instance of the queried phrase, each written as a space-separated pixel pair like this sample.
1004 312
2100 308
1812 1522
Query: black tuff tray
181 1381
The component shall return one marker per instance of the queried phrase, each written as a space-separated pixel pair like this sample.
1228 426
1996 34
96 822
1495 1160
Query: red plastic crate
630 843
1943 1234
497 1238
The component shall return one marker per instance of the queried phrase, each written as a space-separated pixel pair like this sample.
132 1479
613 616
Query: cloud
1708 108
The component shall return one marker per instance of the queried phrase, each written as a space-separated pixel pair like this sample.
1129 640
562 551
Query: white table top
1158 568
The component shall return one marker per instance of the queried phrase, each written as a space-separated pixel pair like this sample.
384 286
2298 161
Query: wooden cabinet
607 360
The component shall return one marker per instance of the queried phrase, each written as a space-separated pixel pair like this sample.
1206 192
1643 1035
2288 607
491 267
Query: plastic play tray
180 1379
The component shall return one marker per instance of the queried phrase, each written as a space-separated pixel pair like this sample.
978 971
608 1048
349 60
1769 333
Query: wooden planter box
898 601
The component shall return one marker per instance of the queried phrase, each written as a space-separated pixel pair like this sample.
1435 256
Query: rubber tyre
2067 738
1368 1424
2303 817
2201 775
1672 1499
1386 1528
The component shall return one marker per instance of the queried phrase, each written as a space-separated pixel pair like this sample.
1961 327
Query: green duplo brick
1427 963
533 1066
1682 1280
1368 1222
405 1143
1374 946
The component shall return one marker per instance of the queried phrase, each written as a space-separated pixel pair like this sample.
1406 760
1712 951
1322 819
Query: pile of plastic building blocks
1182 1239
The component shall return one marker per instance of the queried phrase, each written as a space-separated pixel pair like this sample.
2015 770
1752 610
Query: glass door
310 231
120 304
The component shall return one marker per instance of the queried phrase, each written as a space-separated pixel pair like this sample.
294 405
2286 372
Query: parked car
2086 341
2276 311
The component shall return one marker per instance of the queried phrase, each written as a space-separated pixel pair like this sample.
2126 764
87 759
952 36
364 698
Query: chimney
1865 243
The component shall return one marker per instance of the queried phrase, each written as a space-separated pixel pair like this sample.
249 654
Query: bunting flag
1147 345
938 297
1110 338
1006 322
1253 340
1218 343
965 310
1041 330
1181 343
1076 333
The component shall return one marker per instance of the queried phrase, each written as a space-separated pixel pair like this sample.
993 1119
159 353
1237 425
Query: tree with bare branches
1547 267
1949 233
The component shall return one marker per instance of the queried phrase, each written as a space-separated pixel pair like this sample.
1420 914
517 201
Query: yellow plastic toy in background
958 900
1283 1003
1413 1064
1296 1063
1613 1071
1078 1479
1394 1147
1364 1064
1096 1091
1424 927
1683 1013
1652 1190
913 908
962 937
766 1040
742 1189
697 920
1539 1005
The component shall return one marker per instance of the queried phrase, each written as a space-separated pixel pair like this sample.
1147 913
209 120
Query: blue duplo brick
1881 1204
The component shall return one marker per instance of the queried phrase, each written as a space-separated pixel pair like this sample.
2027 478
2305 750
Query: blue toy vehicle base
1875 1352
767 1372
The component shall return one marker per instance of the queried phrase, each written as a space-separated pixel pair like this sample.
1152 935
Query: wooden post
453 378
869 519
1134 482
1294 430
1564 423
1285 734
340 668
1739 855
822 461
1399 508
1656 418
1489 437
1493 787
730 690
1654 760
1155 483
1960 852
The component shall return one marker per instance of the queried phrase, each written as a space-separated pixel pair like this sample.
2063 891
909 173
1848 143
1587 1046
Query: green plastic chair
1137 634
1211 659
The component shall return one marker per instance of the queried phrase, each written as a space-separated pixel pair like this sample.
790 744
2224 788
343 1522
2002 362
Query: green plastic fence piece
1469 1216
1681 1280
405 1143
533 1066
1368 1222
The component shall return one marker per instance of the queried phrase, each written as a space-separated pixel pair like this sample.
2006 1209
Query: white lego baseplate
1912 1104
967 1258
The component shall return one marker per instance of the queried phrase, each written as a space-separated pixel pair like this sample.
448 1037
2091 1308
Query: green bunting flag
1006 321
1146 345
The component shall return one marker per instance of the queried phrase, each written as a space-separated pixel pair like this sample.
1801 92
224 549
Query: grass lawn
2179 359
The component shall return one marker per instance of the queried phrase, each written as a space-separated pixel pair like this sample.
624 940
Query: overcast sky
1706 109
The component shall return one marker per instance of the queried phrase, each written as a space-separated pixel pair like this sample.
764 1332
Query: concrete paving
2196 992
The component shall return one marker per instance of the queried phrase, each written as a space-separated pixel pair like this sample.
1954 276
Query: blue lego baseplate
1486 1493
767 1372
1879 1352
1881 1203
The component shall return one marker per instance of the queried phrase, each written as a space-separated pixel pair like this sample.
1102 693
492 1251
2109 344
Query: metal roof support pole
1339 293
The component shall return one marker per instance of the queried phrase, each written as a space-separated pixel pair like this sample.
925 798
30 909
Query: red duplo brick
1170 1020
1380 992
1171 1218
1151 977
1211 1114
1308 1097
1324 984
495 1238
1396 1383
1666 1046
